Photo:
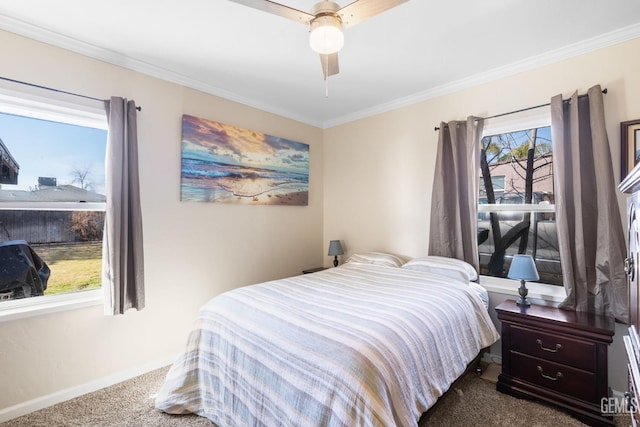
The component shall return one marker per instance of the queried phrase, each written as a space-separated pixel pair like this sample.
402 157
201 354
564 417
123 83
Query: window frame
33 102
540 117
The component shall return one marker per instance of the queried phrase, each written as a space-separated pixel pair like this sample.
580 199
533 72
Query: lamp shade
335 248
326 35
523 268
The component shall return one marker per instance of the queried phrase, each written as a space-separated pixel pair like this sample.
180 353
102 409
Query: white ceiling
412 52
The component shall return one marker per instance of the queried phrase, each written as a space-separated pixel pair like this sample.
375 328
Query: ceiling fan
326 22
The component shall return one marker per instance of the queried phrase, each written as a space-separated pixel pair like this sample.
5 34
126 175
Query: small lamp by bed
335 249
523 268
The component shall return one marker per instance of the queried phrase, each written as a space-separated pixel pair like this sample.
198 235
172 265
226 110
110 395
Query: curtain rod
57 90
605 90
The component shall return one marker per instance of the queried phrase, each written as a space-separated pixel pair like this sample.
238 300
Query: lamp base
335 260
523 291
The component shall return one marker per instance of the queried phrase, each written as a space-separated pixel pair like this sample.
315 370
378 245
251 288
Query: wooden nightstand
313 270
558 356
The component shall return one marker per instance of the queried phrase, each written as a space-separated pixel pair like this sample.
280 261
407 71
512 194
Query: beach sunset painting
223 163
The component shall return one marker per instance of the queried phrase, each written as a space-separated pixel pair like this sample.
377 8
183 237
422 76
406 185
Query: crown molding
59 40
605 40
56 39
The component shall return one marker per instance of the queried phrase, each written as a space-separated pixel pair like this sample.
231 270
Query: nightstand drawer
578 354
557 356
554 376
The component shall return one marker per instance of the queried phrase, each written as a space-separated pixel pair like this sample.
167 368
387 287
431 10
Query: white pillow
378 258
450 267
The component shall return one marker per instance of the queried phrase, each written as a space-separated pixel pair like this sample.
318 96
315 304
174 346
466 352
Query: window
51 196
516 211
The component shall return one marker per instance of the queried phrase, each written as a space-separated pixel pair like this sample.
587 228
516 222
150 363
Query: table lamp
523 268
335 249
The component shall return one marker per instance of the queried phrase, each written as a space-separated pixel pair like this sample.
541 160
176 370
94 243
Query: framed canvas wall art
228 164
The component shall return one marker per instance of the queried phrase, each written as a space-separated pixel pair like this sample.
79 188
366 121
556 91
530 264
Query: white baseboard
489 357
617 394
42 402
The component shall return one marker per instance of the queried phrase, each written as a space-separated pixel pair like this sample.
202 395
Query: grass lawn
74 267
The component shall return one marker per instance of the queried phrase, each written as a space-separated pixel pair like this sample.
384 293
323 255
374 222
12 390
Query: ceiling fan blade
329 64
361 10
278 9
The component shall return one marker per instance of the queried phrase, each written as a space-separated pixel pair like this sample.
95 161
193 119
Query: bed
373 342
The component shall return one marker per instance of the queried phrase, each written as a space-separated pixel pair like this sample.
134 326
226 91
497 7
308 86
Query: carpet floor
473 401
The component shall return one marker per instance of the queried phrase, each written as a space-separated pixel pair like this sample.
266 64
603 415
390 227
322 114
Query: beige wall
379 171
370 187
193 251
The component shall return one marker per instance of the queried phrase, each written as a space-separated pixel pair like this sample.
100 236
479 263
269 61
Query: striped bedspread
357 345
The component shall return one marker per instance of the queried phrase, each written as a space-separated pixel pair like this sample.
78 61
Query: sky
45 148
212 141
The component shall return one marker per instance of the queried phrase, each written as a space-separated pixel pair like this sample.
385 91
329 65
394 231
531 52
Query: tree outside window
516 203
52 198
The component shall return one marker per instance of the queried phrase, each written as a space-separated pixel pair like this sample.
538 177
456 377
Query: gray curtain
590 234
122 260
454 202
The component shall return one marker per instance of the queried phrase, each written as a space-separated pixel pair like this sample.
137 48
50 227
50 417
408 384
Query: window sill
551 293
37 306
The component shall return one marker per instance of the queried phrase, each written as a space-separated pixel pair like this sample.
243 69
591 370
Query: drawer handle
556 378
550 350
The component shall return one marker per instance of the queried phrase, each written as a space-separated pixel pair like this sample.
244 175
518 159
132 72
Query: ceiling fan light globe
326 35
